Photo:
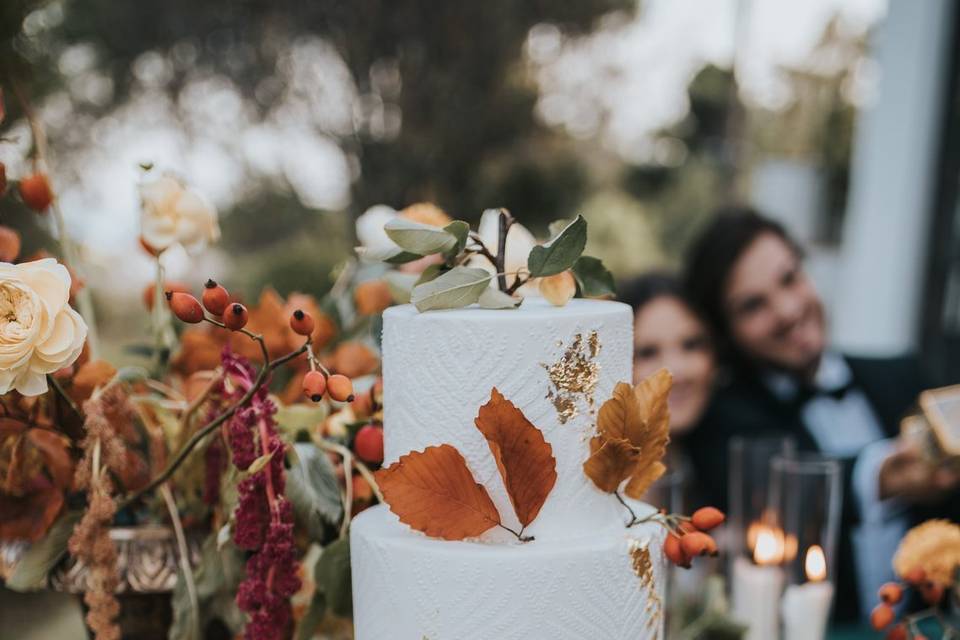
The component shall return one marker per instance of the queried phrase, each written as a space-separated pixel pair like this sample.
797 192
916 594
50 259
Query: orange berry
9 243
362 405
368 444
707 518
932 592
314 384
301 322
215 298
36 192
696 543
674 552
915 576
881 617
168 286
185 306
891 593
236 317
340 388
899 632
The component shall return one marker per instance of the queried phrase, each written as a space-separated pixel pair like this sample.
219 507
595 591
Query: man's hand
908 475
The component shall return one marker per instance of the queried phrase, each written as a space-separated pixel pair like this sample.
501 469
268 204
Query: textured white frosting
410 587
439 368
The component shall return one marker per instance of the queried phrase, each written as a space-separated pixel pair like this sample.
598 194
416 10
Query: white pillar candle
757 587
806 607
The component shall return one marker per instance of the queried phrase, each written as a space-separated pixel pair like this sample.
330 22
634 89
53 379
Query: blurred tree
440 106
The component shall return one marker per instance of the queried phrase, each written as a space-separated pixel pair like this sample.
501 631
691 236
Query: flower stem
506 220
184 551
158 319
633 516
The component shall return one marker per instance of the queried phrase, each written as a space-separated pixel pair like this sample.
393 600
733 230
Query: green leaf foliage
400 285
313 491
419 238
496 299
594 280
459 287
390 255
561 252
332 575
33 566
461 231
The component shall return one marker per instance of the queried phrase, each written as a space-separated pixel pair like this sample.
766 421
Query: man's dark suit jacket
746 407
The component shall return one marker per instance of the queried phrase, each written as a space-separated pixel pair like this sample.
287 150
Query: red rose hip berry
340 388
215 298
314 385
235 316
185 306
301 322
36 192
368 444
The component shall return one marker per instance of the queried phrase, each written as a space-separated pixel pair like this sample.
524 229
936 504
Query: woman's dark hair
642 290
716 251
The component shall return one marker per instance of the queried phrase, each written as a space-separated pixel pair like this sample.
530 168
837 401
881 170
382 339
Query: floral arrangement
928 564
454 266
252 431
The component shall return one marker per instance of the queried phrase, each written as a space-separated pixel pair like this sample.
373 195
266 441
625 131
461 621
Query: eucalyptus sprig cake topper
467 266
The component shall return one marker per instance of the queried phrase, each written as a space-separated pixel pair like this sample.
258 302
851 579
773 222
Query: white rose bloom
370 232
171 213
519 244
39 331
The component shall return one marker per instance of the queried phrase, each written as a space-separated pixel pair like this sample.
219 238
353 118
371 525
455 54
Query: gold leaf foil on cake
574 377
642 565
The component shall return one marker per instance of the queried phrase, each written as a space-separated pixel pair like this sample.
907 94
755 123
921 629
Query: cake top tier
555 364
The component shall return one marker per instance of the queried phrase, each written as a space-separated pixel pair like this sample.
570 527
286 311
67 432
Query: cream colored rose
171 214
39 331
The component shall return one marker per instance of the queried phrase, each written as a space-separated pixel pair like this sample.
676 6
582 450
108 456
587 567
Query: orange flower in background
354 359
200 350
426 213
372 297
934 548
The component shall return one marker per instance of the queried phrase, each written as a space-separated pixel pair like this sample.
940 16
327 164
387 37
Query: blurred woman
669 334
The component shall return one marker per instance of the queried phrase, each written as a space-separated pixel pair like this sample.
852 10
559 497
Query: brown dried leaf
29 517
524 458
652 396
434 492
633 431
55 450
611 462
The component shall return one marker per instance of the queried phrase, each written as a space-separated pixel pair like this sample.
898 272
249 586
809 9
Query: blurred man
746 275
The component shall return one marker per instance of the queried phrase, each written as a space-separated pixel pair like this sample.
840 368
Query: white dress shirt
847 427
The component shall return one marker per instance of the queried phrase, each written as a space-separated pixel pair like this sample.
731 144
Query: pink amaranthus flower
264 517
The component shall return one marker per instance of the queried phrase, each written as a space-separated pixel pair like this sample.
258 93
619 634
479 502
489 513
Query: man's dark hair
714 254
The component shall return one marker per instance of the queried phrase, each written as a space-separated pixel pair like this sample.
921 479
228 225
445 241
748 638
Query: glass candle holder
755 542
805 501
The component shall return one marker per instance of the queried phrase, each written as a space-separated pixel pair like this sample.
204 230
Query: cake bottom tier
608 586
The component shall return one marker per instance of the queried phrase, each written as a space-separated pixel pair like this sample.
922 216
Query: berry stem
208 428
518 534
633 516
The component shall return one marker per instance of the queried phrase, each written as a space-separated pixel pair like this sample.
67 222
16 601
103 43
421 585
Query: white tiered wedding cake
584 575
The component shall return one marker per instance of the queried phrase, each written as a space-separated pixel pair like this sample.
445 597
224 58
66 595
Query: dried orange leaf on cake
652 394
524 458
434 492
620 417
611 462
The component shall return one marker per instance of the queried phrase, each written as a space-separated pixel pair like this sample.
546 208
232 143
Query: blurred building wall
881 266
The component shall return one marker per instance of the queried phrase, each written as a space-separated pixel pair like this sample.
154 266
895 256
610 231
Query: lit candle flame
816 564
769 547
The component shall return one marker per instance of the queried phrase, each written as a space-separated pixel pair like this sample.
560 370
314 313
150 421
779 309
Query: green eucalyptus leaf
132 374
496 299
561 252
332 575
430 273
459 287
30 572
390 255
400 285
461 231
594 280
419 238
313 491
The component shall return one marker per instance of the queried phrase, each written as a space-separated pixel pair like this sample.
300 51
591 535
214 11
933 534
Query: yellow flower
172 214
39 331
933 546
